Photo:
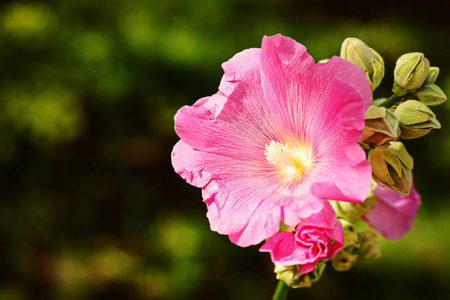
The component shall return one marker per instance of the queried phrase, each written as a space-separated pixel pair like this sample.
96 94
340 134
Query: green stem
281 291
398 93
389 101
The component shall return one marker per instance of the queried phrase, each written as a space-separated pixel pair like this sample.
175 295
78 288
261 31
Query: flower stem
398 91
389 102
281 291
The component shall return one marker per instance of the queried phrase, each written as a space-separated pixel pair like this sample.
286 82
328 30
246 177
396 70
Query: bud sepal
392 167
431 95
380 128
292 277
416 119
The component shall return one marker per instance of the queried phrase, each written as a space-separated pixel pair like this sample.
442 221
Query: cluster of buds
404 115
362 246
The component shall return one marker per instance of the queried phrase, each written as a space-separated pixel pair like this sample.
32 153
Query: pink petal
243 67
393 215
192 165
187 163
198 127
295 209
326 218
281 247
337 234
284 65
233 215
263 222
311 244
306 268
346 175
407 205
344 70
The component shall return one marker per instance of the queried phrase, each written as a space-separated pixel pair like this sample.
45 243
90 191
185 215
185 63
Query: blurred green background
90 207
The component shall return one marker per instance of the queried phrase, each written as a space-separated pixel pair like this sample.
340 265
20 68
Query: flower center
294 162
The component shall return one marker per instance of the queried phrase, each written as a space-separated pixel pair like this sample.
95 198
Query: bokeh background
90 207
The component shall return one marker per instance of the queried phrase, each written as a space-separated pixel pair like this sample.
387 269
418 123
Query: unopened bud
431 95
368 248
381 127
367 59
432 75
352 211
416 119
343 260
411 70
350 234
392 167
318 271
292 277
286 273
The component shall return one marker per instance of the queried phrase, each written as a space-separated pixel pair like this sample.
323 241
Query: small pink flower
393 215
278 138
318 237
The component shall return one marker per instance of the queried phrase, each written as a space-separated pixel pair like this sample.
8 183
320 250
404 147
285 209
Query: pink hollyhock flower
278 137
319 237
393 215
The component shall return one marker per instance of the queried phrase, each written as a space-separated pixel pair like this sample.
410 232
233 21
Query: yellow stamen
294 162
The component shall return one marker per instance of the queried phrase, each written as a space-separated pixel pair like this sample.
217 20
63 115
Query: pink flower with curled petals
319 237
393 215
277 139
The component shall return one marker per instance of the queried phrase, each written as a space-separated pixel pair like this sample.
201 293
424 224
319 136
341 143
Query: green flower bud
368 248
416 119
318 271
392 167
367 59
381 127
347 210
411 70
292 277
287 273
432 75
431 95
343 261
350 234
353 211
